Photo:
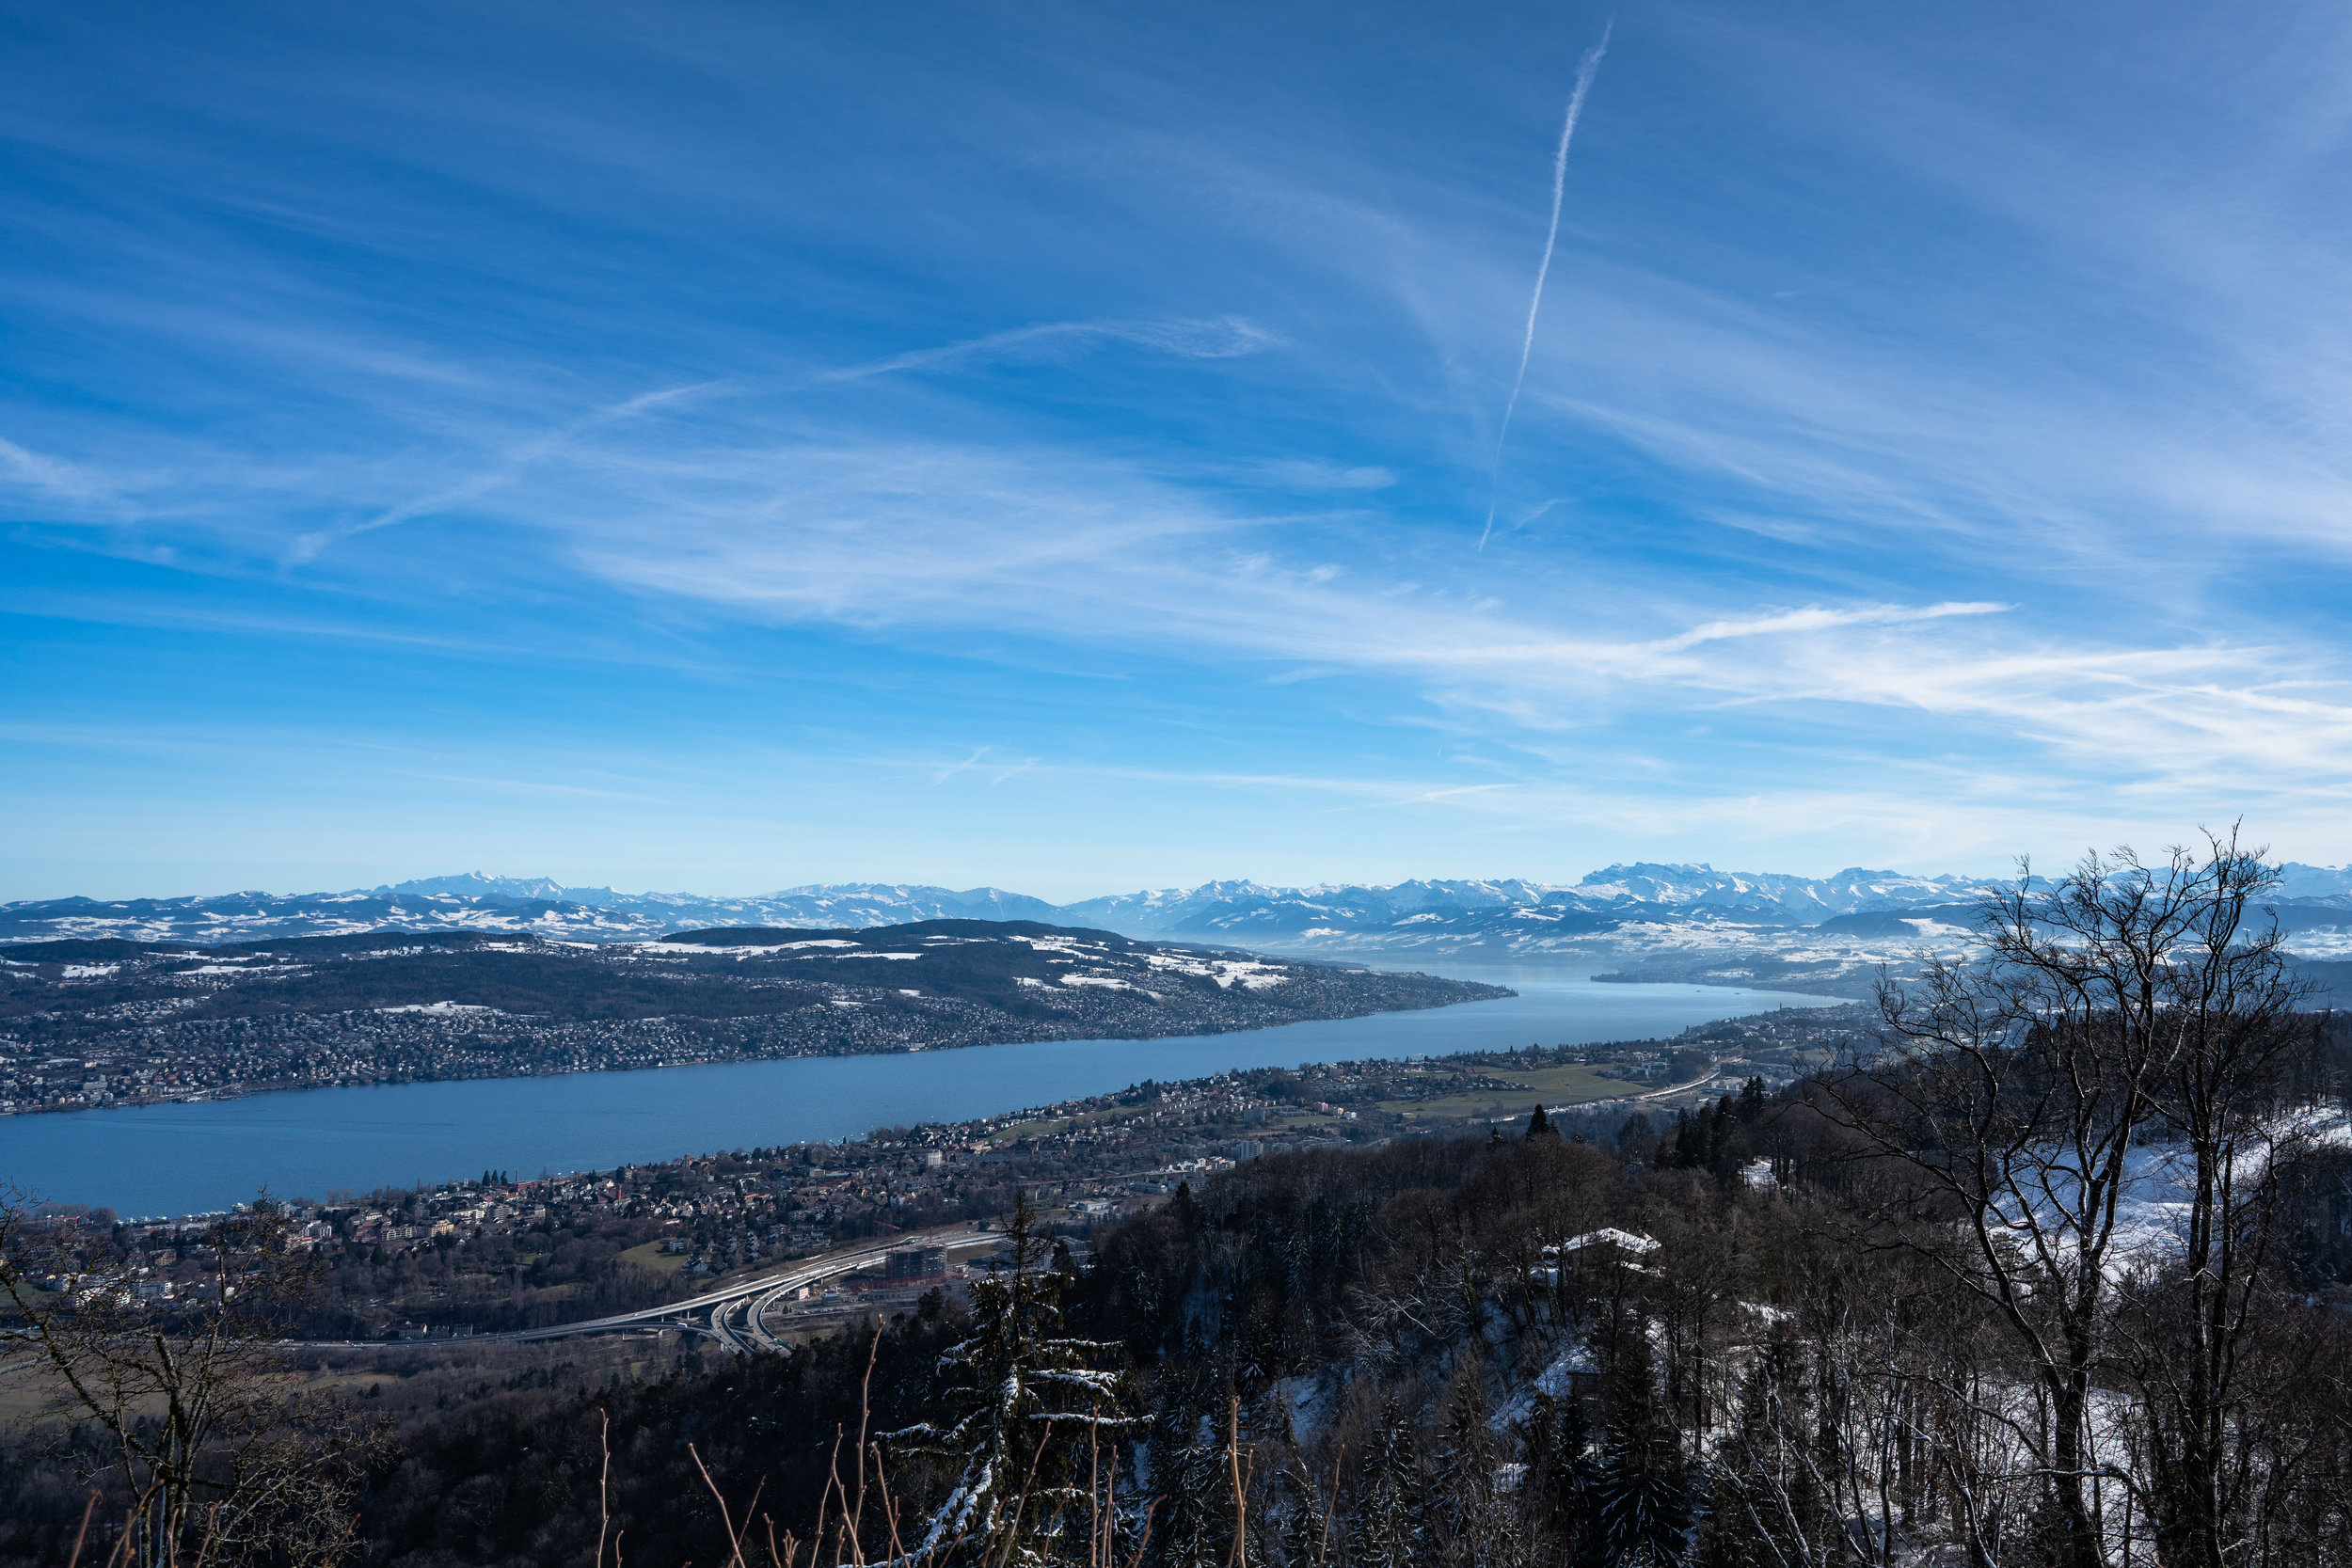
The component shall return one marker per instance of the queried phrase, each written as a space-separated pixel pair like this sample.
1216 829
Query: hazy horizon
1086 893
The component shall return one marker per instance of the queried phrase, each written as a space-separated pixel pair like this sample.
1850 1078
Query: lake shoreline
215 1093
186 1157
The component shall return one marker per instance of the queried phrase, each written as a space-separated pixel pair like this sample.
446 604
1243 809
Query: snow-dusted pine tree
1560 1476
1462 1490
1023 1410
1307 1536
1193 1525
1386 1529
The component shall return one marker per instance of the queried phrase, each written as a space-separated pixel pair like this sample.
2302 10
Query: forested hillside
2055 1269
1664 1348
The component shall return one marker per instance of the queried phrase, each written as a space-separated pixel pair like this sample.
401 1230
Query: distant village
145 1060
109 1024
504 1251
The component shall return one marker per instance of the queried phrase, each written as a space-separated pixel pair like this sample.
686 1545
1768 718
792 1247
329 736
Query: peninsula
85 1023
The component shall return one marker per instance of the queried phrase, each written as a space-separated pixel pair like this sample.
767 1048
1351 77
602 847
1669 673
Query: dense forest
2057 1270
1413 1369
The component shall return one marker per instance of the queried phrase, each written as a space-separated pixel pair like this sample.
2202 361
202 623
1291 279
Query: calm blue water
182 1159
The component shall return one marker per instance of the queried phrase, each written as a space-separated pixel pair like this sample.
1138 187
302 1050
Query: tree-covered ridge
87 1023
1020 966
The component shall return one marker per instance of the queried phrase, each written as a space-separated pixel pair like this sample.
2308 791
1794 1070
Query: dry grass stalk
123 1545
604 1482
865 1413
1239 1556
735 1542
74 1561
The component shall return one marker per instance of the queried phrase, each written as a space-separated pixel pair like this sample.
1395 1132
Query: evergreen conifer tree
1192 1526
1539 1124
1752 1102
1463 1487
1642 1491
1690 1140
1386 1529
1559 1498
1022 1407
1307 1537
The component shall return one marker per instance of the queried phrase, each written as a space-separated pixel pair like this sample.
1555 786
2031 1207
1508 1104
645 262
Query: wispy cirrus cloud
511 465
1316 474
1225 338
1815 618
54 477
936 540
1933 451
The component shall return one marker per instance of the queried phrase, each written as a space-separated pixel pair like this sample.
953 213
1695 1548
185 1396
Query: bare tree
2238 1030
2002 1120
218 1456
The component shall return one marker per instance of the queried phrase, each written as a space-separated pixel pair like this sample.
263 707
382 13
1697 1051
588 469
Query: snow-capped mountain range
1641 921
1609 896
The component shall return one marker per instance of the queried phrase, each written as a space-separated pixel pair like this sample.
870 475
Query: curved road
1643 1098
750 1299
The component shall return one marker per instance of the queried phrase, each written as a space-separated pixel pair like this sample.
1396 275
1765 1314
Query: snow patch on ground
1558 1379
750 952
2153 1209
1227 972
1625 1241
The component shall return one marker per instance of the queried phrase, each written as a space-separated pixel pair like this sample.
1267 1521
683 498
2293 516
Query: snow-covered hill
1604 898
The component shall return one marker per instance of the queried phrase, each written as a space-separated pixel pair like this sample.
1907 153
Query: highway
734 1315
1650 1097
1672 1089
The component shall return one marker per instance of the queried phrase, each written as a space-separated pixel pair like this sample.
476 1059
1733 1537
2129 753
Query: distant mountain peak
481 884
1646 868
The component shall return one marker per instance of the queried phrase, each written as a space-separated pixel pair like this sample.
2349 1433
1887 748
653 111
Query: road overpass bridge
736 1315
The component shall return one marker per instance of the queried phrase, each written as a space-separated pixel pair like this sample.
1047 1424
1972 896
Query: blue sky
721 447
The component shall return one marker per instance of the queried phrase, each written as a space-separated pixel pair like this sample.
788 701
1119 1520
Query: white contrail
1585 73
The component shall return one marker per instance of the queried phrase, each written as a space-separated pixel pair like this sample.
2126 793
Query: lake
182 1158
